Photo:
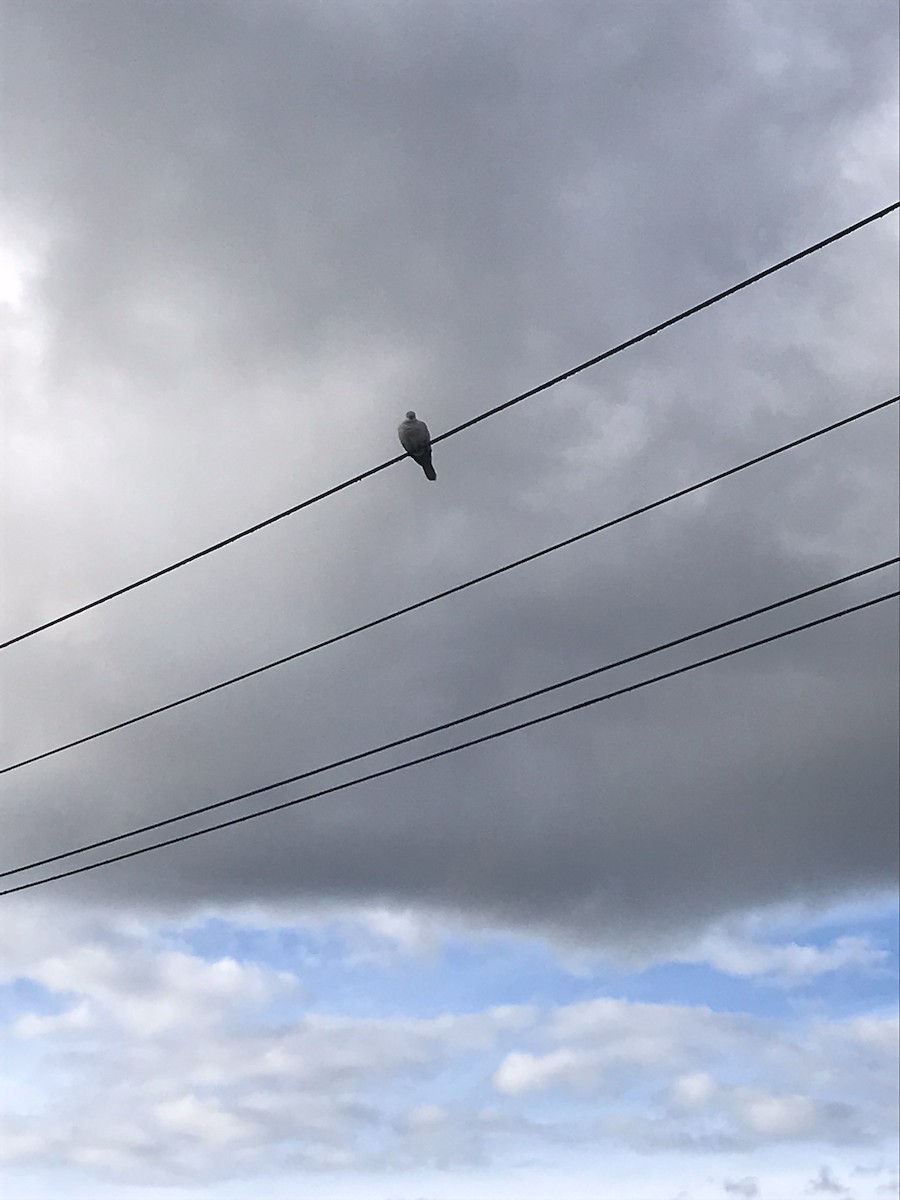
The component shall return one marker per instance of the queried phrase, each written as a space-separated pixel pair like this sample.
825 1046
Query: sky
645 951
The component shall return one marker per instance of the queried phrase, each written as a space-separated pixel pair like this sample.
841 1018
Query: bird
416 441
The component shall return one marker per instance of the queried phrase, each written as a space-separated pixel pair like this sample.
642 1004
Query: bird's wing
414 437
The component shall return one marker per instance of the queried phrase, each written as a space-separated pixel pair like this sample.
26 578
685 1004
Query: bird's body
416 441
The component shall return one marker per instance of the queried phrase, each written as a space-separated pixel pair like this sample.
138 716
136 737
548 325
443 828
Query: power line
450 724
343 762
399 612
688 312
591 362
450 749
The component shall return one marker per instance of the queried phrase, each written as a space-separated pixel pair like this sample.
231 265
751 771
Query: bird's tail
424 461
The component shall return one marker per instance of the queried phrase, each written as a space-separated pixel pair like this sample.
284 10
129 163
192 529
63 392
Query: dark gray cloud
748 1186
825 1182
254 238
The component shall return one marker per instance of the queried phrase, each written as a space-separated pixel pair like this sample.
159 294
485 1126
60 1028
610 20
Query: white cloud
411 932
31 1025
786 964
190 1065
881 1033
692 1091
426 1116
20 1140
521 1072
778 1116
203 1120
152 993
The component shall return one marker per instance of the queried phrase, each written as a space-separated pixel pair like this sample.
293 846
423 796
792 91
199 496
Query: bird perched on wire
416 441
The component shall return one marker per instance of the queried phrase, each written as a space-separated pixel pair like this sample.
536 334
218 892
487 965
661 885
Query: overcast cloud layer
240 241
249 239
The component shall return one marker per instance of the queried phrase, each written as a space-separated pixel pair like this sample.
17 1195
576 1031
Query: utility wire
460 587
184 837
591 362
449 725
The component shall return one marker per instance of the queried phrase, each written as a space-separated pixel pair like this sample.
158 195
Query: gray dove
416 441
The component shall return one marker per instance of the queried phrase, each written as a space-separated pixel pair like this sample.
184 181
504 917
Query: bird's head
410 416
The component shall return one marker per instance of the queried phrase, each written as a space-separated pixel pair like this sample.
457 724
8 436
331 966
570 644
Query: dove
416 441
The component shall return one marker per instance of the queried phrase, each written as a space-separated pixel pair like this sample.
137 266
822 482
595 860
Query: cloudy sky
641 952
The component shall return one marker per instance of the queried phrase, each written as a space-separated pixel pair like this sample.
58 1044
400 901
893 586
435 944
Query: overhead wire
184 837
591 362
718 626
460 587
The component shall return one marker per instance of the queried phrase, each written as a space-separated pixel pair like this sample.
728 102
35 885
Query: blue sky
335 960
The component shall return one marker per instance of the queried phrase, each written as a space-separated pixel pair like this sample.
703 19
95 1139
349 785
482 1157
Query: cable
688 312
184 837
591 362
460 587
462 720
